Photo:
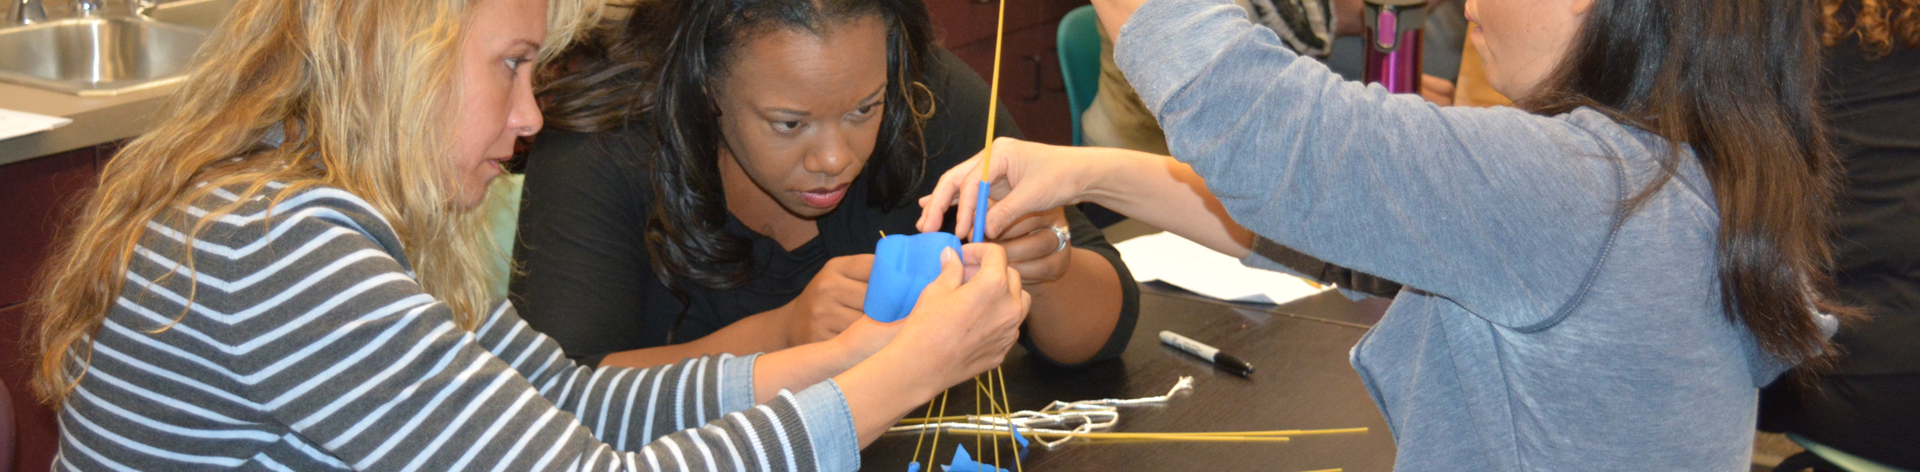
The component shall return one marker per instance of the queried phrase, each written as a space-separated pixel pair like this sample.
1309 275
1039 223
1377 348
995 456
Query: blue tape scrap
1020 438
902 267
962 462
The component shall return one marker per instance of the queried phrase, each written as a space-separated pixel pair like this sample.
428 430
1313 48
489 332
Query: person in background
1869 403
288 273
720 173
1606 275
1117 119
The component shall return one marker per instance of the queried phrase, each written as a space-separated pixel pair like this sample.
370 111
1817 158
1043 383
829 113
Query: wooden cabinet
1031 87
38 198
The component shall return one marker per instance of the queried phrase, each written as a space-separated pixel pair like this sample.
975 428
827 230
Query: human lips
824 198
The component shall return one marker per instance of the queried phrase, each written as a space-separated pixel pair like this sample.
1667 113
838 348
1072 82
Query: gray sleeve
1502 211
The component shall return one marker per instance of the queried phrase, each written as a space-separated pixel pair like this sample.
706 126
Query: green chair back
1078 42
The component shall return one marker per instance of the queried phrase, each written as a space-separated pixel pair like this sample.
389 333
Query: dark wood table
1302 381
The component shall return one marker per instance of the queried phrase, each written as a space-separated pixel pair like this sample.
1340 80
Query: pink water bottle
1393 43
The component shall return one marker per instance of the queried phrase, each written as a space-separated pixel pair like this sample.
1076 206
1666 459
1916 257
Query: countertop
96 120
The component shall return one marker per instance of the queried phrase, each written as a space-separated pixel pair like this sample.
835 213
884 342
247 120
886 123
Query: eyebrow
869 97
530 44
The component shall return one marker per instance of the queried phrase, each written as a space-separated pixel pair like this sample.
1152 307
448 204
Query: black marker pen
1220 359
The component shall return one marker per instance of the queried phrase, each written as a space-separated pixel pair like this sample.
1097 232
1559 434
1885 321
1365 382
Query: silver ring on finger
1064 235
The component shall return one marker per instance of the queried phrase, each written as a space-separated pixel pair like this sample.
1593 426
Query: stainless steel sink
203 14
98 56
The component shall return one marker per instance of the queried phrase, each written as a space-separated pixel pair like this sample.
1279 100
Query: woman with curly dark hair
692 201
1866 405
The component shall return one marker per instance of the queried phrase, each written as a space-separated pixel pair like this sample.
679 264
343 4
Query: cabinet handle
1039 75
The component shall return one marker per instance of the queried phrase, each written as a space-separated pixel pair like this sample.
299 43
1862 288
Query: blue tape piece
913 466
962 462
902 267
980 213
1020 438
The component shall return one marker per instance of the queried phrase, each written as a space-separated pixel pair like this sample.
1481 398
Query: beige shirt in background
1472 90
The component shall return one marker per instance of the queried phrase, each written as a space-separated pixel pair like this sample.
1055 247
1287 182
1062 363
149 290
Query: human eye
867 111
787 126
514 63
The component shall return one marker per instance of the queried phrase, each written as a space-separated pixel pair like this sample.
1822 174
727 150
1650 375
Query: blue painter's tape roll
902 267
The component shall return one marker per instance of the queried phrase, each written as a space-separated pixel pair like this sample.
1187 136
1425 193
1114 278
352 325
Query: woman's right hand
963 329
831 302
1027 177
956 331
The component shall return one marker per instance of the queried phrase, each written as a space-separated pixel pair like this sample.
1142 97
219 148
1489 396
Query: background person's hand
1027 178
1436 90
831 302
962 329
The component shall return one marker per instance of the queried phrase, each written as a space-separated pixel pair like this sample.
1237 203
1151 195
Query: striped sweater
308 345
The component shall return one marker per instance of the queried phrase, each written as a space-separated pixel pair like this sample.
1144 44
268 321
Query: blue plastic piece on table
962 462
913 466
902 267
1020 438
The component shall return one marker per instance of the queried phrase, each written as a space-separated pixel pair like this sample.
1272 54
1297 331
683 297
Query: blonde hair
1881 25
361 92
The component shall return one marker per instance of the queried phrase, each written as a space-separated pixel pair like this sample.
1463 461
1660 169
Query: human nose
524 119
833 156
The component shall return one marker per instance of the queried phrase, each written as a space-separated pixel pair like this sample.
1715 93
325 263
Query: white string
1066 419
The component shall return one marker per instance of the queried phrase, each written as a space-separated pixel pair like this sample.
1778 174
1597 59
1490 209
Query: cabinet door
963 22
37 201
1030 84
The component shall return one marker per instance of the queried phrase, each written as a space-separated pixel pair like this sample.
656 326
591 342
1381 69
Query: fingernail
947 255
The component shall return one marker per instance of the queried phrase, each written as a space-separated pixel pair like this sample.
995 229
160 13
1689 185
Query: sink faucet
86 8
26 12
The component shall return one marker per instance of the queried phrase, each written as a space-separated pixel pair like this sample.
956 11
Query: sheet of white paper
1186 264
20 123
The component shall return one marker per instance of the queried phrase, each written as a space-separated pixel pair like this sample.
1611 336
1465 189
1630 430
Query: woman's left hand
1034 249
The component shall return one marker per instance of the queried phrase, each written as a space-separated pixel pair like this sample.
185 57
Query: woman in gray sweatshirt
1598 280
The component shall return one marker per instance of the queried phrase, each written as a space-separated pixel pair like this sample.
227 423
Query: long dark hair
1735 80
658 68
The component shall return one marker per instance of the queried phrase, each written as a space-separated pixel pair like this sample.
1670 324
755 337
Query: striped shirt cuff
736 384
836 445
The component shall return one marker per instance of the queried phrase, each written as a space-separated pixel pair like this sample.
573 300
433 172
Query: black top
587 279
1873 107
1865 405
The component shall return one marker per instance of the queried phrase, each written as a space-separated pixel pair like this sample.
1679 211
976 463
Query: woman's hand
1035 250
864 337
831 302
956 331
963 329
1027 177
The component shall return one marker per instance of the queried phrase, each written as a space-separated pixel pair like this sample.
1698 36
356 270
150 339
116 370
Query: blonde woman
287 274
